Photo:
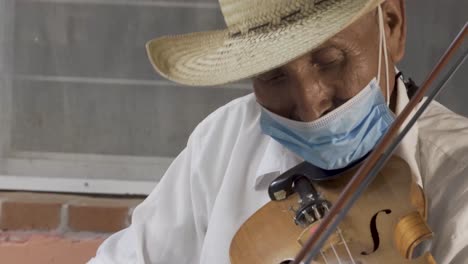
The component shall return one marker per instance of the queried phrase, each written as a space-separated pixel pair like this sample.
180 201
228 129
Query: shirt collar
278 159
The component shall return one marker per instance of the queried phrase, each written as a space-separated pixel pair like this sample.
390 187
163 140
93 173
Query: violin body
385 225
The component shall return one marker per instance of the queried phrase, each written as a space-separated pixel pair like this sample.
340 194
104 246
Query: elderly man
326 89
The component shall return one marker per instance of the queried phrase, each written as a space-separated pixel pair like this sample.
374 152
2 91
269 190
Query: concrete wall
83 83
432 24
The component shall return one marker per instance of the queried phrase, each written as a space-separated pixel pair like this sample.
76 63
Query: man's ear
395 28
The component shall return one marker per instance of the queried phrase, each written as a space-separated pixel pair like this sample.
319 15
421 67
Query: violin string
333 248
321 251
340 233
336 253
346 246
324 257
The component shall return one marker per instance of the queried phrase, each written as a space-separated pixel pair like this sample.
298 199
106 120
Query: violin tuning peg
309 218
317 213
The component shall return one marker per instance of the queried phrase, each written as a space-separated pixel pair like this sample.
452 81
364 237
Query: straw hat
260 35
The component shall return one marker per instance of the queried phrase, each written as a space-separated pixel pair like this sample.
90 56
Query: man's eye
328 58
328 61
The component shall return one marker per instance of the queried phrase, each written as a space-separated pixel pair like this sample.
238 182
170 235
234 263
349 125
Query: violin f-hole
375 232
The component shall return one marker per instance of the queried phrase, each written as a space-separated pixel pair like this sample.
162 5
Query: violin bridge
334 239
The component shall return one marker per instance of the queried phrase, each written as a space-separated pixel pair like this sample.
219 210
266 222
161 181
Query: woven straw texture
260 35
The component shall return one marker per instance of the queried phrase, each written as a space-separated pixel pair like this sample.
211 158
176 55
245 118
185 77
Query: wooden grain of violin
373 213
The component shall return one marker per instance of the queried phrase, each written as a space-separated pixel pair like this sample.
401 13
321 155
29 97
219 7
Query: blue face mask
340 137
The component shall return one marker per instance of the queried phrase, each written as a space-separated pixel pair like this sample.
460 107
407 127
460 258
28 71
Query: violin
386 224
373 213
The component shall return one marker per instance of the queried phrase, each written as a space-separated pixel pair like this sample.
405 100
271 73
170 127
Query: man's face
320 81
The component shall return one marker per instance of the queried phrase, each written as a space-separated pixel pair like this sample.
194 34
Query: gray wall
432 24
82 82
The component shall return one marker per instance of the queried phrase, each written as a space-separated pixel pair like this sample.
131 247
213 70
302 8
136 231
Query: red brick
97 218
17 214
44 249
85 213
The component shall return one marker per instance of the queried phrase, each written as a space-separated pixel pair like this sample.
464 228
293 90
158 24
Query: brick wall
44 228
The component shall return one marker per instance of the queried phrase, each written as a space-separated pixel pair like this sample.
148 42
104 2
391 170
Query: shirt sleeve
448 212
168 227
444 166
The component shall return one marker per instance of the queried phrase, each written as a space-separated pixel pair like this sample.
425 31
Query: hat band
291 17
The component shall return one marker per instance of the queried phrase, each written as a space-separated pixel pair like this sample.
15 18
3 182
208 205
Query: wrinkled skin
318 82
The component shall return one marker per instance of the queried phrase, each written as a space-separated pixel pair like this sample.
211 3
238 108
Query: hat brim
215 57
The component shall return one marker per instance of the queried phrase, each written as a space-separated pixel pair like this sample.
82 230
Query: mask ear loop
383 46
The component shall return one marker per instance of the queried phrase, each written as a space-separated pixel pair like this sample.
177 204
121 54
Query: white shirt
221 178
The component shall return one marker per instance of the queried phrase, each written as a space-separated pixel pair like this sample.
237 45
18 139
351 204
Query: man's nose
311 98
